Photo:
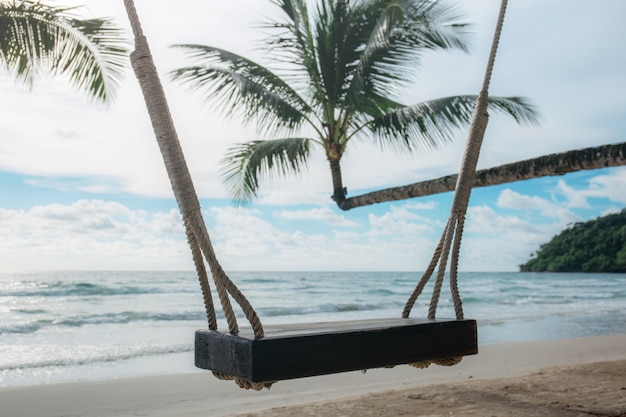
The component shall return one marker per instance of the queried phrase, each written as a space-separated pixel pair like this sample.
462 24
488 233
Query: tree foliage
36 37
595 246
339 69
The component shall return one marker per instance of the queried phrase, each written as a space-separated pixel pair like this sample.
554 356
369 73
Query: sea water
74 326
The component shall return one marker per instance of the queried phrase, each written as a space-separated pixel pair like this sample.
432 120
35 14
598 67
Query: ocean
76 326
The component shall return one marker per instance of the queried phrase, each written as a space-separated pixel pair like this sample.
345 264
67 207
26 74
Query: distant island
594 246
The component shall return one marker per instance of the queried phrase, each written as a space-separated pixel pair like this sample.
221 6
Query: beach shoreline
199 394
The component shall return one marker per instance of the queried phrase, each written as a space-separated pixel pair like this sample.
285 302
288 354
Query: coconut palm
338 71
35 37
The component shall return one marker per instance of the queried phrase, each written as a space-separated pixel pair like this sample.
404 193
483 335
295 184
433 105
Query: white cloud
399 222
610 186
510 199
322 214
241 232
610 210
576 199
245 241
494 242
91 234
514 200
429 205
485 220
94 234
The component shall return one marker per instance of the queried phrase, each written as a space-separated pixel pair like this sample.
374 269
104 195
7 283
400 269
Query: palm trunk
339 192
543 166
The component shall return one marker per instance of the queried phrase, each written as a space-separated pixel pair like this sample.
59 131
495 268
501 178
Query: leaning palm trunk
544 166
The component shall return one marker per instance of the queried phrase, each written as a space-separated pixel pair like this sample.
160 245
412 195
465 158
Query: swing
257 356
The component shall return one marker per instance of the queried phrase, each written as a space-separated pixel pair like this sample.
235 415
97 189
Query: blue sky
82 186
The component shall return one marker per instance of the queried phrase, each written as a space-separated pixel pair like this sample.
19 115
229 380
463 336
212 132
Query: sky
83 186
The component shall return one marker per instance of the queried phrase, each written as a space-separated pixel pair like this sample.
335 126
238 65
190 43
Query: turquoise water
71 326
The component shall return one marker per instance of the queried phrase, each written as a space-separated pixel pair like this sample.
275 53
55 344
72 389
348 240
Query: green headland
597 245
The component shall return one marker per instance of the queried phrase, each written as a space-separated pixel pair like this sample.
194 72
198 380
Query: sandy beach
567 377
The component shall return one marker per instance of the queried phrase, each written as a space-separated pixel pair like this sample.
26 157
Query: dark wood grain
302 350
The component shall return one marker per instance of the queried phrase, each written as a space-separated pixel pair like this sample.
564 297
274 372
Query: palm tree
36 37
340 68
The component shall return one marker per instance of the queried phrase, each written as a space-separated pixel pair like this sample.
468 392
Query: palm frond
36 37
435 25
246 163
334 58
378 40
242 87
519 108
371 107
393 36
293 42
428 124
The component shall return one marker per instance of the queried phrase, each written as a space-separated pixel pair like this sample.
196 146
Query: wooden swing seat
301 350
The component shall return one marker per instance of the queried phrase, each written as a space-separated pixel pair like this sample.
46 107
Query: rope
135 24
454 266
183 188
448 233
424 280
243 383
196 253
220 277
453 232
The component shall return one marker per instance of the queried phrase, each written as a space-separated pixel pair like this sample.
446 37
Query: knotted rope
186 197
453 232
182 185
